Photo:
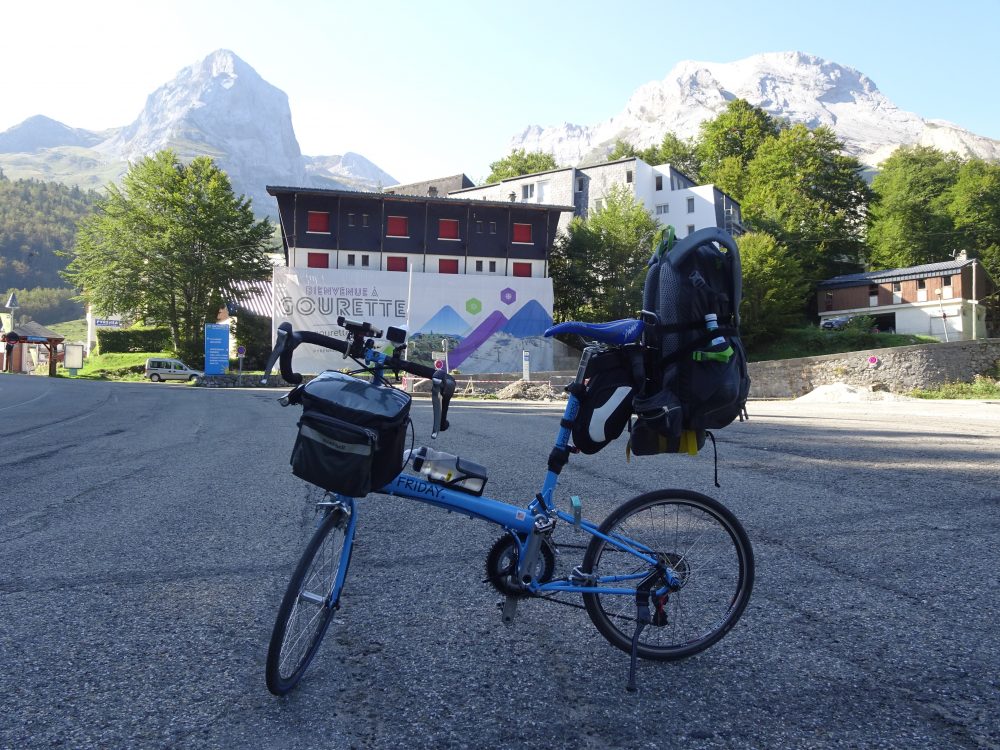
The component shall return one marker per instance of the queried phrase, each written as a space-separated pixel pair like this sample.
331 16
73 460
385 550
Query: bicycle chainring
501 563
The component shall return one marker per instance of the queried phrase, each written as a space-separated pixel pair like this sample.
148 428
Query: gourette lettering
351 306
418 485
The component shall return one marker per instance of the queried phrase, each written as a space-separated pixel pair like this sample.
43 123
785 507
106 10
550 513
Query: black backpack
696 375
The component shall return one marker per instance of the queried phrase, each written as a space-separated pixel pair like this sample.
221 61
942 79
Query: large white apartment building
669 195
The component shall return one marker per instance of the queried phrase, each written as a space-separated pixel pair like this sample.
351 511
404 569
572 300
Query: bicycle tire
318 568
697 521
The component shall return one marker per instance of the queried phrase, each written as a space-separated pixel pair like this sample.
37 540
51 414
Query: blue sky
425 89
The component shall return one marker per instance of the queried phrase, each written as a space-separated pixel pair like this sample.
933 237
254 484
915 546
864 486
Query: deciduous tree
600 265
910 221
803 190
774 289
520 162
169 245
729 142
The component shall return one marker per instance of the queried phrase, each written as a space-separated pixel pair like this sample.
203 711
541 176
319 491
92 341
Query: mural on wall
487 321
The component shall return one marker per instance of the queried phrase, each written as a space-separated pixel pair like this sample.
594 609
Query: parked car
835 324
170 369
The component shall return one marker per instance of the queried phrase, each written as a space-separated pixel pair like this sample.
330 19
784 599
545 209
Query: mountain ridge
218 107
791 85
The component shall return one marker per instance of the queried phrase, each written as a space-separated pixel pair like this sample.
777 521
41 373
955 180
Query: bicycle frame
522 521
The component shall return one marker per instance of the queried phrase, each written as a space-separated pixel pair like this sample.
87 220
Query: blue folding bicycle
666 575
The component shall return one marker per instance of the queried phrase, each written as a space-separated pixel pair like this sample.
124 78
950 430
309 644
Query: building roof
443 186
547 171
258 299
36 331
895 274
277 190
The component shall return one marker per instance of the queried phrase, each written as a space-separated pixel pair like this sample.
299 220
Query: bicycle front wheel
705 546
313 595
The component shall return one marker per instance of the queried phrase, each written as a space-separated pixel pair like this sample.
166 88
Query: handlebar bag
351 434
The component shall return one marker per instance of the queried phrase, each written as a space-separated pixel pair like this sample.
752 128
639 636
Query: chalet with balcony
344 229
936 299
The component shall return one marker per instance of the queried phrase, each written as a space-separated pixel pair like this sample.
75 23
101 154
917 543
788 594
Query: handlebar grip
285 363
305 337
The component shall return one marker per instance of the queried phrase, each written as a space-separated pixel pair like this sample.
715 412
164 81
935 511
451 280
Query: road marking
25 403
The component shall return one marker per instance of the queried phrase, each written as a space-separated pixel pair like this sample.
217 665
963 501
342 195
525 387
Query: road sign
241 350
526 365
438 364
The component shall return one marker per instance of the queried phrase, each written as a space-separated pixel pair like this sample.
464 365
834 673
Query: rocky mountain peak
795 86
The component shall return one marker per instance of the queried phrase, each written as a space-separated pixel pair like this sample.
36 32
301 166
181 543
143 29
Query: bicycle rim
307 609
708 550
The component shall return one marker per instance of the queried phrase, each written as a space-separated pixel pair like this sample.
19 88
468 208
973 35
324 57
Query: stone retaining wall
898 369
245 381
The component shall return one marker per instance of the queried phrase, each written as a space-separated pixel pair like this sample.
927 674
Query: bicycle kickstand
642 619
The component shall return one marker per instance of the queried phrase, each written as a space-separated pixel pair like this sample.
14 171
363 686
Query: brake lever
437 386
279 347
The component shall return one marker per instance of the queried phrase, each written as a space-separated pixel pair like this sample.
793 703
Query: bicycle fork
527 564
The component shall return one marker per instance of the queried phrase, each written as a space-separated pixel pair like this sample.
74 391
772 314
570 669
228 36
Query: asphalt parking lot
147 533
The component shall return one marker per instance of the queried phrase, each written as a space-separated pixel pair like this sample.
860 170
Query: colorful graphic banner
489 321
484 322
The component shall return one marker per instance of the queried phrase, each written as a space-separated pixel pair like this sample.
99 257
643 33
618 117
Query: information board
216 348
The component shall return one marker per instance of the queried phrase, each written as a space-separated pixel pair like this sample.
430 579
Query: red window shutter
447 229
522 269
318 260
318 221
397 226
448 265
395 263
522 233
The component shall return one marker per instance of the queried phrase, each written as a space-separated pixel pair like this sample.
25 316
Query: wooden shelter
25 335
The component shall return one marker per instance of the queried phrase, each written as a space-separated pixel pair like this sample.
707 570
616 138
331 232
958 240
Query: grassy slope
812 341
73 330
116 366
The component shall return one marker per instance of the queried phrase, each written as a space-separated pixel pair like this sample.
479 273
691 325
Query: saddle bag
351 434
605 400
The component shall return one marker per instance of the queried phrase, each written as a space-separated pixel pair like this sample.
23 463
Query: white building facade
668 195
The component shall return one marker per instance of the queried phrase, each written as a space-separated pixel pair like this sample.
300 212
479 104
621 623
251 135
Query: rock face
351 170
222 108
791 85
218 107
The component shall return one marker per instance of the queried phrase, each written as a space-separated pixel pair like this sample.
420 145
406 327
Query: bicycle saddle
616 332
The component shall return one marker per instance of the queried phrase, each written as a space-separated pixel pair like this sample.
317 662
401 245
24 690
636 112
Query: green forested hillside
37 220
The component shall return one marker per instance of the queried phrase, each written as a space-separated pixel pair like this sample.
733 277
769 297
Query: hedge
134 340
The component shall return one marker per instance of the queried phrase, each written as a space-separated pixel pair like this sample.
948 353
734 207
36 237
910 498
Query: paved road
147 533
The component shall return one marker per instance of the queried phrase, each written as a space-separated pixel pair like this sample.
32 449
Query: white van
170 369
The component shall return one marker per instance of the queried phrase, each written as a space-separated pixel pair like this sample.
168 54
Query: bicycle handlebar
442 384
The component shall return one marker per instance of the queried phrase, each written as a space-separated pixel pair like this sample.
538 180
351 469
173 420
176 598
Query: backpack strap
705 338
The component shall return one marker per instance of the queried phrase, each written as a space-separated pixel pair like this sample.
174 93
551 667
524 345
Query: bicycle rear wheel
707 549
312 596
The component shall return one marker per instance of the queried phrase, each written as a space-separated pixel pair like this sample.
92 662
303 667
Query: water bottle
444 468
437 466
712 324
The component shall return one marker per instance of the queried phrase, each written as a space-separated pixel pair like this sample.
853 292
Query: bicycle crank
501 566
